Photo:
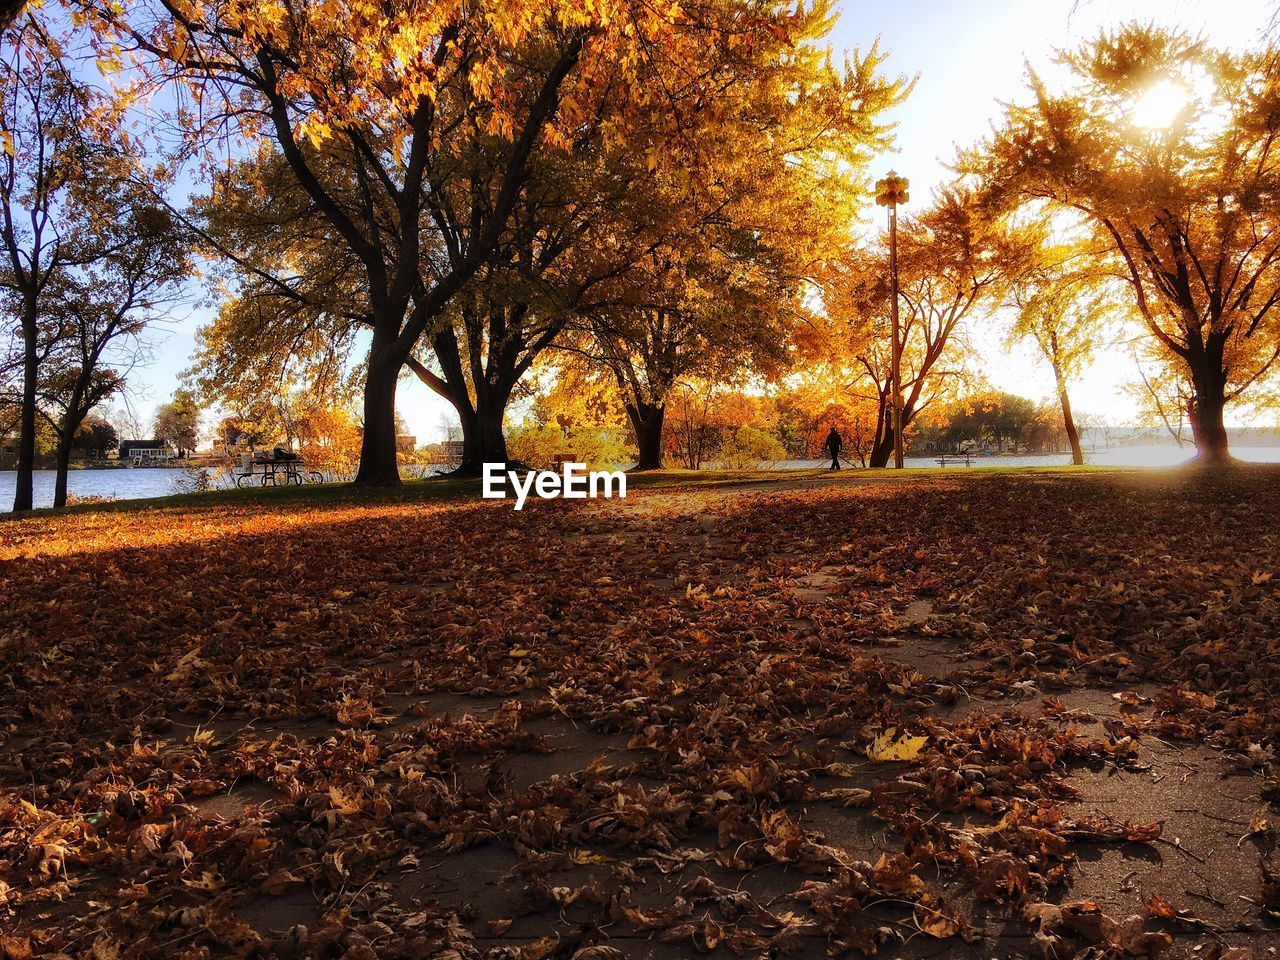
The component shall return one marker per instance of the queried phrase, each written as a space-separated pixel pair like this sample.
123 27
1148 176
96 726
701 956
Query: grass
429 489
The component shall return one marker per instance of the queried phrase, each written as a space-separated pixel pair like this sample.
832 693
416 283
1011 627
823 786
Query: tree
130 266
96 435
409 128
819 396
178 421
987 417
721 293
45 124
952 258
90 256
1184 200
1062 302
329 441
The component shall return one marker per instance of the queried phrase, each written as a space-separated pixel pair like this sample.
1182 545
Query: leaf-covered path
954 715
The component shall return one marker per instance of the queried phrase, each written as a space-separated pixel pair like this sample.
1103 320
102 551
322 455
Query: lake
125 483
139 483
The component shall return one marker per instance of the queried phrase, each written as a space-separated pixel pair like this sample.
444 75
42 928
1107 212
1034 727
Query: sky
969 55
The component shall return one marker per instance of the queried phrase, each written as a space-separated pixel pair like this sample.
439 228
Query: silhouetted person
833 444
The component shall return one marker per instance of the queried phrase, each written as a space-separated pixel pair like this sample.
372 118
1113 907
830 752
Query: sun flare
1160 105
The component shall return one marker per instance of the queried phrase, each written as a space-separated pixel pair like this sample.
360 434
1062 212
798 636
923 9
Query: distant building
138 450
406 443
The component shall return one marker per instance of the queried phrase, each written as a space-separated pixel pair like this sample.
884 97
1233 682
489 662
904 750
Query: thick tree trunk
378 448
882 451
482 438
882 446
25 480
646 420
1208 429
1207 407
1073 435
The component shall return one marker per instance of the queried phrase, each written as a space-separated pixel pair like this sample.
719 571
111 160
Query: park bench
955 458
560 459
274 471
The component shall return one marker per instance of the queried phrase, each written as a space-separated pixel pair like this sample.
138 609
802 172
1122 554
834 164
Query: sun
1160 105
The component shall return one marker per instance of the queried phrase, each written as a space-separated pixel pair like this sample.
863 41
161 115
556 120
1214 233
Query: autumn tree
382 116
96 435
953 258
1168 147
774 194
90 256
46 146
820 394
675 329
1062 302
177 422
329 440
131 262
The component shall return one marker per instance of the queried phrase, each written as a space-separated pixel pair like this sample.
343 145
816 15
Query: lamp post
890 192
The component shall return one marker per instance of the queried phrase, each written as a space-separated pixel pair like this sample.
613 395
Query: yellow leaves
316 130
759 778
354 711
344 802
588 857
886 748
190 665
6 142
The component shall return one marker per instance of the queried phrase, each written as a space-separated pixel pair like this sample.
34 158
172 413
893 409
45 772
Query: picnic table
955 458
273 471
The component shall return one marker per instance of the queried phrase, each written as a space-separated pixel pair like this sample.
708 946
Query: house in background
145 451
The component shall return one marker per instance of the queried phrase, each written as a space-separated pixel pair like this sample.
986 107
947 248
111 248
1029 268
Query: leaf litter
749 770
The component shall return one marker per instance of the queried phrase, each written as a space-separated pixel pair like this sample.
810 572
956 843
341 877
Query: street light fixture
890 192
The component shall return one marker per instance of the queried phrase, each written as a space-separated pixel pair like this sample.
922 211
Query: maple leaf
888 747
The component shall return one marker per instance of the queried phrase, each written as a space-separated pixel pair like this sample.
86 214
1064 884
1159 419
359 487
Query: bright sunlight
1160 106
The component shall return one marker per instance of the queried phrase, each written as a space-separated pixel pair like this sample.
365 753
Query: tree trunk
1208 429
378 448
1207 406
1073 435
63 467
23 487
71 420
646 420
882 451
482 437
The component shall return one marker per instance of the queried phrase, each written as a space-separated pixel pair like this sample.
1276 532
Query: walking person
833 444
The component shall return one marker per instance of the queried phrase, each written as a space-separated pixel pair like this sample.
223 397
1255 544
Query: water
125 483
139 483
1154 455
132 483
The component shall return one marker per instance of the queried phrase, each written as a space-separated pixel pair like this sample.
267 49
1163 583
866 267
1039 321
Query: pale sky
969 55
